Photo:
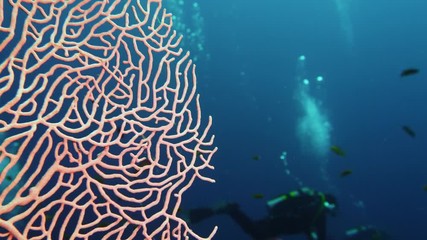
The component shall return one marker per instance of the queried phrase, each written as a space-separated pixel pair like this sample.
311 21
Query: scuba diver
299 212
365 233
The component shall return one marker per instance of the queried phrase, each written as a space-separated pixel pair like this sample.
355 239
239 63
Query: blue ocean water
251 83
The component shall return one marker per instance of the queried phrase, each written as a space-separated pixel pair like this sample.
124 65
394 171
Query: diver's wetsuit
303 212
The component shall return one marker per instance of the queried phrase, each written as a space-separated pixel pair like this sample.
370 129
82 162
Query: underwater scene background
287 80
100 139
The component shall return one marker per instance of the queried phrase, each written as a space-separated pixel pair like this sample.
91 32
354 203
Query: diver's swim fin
199 214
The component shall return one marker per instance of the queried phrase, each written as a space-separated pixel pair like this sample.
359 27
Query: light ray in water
343 8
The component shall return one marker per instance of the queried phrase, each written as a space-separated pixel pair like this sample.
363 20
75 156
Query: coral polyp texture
101 131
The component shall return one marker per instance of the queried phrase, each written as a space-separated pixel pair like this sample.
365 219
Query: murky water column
343 9
188 20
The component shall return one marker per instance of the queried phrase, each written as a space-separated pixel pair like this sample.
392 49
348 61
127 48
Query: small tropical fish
140 164
408 131
256 157
409 72
258 196
103 224
345 173
199 154
99 179
143 163
337 150
118 127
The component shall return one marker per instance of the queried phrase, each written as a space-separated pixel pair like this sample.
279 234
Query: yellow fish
337 150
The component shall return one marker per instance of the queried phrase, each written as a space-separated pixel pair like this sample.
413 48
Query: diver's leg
196 215
256 229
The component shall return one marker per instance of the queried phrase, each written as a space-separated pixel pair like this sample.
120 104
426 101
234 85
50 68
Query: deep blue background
248 86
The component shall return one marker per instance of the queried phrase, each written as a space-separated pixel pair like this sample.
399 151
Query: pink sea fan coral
100 121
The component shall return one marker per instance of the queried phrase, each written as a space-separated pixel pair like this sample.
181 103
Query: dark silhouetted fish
345 173
409 131
409 72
